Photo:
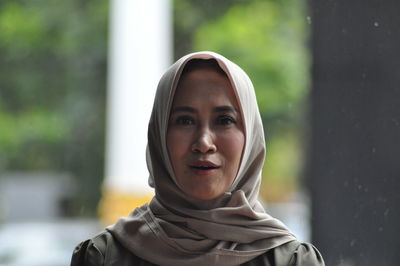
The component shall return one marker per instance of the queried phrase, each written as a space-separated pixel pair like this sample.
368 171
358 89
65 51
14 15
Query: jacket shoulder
292 253
302 254
92 251
104 250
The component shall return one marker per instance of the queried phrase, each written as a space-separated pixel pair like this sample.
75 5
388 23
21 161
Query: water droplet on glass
380 229
308 19
373 149
381 199
386 212
376 24
352 243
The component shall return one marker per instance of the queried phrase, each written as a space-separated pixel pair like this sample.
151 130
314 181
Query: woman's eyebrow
183 109
225 108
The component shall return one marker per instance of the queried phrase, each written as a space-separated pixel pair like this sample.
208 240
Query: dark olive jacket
105 250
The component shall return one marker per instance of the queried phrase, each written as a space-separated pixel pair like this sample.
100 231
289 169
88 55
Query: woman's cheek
177 142
233 143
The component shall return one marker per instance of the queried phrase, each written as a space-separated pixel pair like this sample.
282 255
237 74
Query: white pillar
139 52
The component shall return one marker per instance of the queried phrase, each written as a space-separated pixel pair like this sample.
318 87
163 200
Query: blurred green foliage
52 89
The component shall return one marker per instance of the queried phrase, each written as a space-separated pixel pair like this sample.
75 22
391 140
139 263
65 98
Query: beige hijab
176 230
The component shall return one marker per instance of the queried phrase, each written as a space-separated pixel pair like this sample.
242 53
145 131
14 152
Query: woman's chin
205 194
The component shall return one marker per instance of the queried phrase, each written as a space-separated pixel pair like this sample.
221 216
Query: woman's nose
204 142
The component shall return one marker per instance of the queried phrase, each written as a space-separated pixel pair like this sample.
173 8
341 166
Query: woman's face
205 137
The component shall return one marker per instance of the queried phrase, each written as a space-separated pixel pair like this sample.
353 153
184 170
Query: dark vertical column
355 147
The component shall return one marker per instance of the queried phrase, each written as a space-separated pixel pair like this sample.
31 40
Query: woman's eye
184 120
226 120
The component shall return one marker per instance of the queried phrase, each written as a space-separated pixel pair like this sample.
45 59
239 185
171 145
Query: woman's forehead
195 64
204 85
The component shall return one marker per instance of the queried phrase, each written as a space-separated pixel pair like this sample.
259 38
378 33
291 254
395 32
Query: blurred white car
43 243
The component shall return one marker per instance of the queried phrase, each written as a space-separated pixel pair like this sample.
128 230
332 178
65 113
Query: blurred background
327 84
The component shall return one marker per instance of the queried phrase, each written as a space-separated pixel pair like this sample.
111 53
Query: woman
205 154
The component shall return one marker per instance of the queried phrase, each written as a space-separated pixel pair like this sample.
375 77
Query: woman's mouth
203 167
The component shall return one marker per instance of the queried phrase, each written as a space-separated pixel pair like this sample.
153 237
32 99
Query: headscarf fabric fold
175 229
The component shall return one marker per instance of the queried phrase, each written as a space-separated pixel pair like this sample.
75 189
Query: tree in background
52 90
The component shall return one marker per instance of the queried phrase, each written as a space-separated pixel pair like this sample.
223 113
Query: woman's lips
204 167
